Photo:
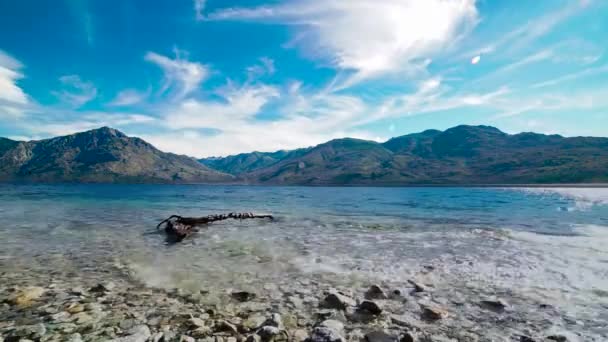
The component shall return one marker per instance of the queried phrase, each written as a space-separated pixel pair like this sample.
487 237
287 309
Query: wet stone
433 313
243 296
496 305
375 292
370 307
338 301
380 336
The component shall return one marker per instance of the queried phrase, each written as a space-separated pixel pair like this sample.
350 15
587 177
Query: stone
418 287
299 335
243 296
196 322
254 321
323 334
61 316
75 338
103 288
375 292
75 308
34 331
140 333
253 338
355 335
226 326
186 338
526 339
433 313
557 338
371 307
295 301
127 324
338 301
405 321
333 325
268 332
496 305
380 336
200 332
407 337
26 296
275 320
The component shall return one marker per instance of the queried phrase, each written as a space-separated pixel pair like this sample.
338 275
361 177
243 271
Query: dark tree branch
179 227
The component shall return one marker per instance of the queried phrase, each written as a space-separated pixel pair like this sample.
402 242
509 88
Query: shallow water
532 246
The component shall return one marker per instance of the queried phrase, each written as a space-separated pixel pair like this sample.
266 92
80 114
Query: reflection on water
477 241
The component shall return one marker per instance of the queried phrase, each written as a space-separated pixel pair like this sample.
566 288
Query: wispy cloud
76 92
595 71
182 77
128 97
366 37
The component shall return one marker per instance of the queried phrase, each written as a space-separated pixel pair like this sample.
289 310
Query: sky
221 77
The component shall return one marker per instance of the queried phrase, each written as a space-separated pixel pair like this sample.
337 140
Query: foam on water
584 198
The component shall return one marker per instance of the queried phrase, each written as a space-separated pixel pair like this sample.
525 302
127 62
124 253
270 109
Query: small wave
584 198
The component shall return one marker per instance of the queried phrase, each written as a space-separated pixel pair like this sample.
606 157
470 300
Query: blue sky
220 77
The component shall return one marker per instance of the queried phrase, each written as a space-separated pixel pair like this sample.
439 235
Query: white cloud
76 92
238 105
182 77
10 92
367 37
476 59
128 97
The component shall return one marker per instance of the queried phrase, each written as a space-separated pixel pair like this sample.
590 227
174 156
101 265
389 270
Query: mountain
247 162
459 155
101 155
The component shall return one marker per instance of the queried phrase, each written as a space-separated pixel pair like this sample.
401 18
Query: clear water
534 246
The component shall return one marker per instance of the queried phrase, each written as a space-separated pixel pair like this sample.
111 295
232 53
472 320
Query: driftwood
179 227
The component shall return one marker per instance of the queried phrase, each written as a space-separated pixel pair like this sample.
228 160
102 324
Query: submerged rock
26 296
370 307
140 333
496 305
407 337
380 336
418 287
243 296
338 301
433 313
375 292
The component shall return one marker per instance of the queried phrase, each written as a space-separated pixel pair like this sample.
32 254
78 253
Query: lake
531 246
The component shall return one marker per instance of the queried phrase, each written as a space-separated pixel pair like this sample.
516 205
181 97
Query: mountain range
459 155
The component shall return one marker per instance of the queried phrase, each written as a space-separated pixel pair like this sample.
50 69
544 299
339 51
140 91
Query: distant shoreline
534 185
